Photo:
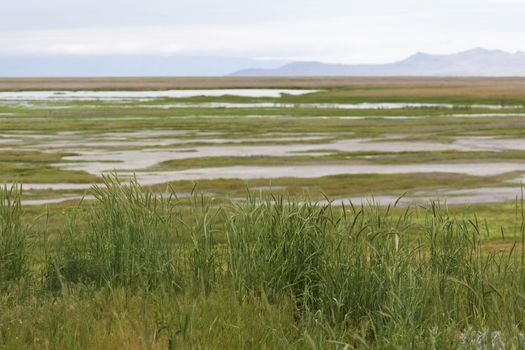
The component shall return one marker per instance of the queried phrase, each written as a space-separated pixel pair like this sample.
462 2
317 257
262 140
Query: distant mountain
475 62
125 65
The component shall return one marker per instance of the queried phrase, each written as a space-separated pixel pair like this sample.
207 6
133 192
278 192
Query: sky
339 31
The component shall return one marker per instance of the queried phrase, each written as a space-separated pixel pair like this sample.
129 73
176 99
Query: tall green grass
129 240
195 272
362 271
13 235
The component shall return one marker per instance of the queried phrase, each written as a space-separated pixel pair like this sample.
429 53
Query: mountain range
474 62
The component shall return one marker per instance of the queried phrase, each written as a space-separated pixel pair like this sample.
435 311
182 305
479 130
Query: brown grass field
357 86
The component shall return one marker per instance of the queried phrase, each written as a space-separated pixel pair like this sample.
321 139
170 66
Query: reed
129 240
13 235
262 272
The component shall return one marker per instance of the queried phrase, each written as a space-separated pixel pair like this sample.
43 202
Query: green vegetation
127 241
37 167
336 186
336 157
13 236
138 270
259 264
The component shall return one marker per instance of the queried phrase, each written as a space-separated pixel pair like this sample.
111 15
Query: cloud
335 31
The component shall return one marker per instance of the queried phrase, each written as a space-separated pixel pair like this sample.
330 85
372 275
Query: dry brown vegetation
358 86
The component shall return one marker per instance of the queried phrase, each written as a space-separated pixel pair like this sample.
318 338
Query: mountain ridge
473 62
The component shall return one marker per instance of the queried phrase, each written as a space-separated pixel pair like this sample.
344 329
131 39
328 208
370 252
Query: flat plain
142 212
441 135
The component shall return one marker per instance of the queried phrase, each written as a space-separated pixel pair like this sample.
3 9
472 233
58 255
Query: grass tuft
264 272
129 240
13 235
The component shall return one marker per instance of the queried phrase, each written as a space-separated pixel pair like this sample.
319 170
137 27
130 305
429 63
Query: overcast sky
347 31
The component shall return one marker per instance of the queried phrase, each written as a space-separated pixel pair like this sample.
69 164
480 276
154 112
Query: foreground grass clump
128 241
13 235
152 271
374 276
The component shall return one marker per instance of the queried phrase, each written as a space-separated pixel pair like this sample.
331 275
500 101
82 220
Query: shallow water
354 106
299 171
483 195
9 141
139 150
97 161
31 202
315 171
54 186
142 95
86 144
94 153
481 115
489 143
102 143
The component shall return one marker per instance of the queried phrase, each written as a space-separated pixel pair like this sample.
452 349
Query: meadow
378 213
137 270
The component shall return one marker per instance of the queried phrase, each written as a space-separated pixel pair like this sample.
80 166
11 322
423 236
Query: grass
337 157
337 186
37 167
262 269
146 271
13 236
127 241
40 173
473 87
